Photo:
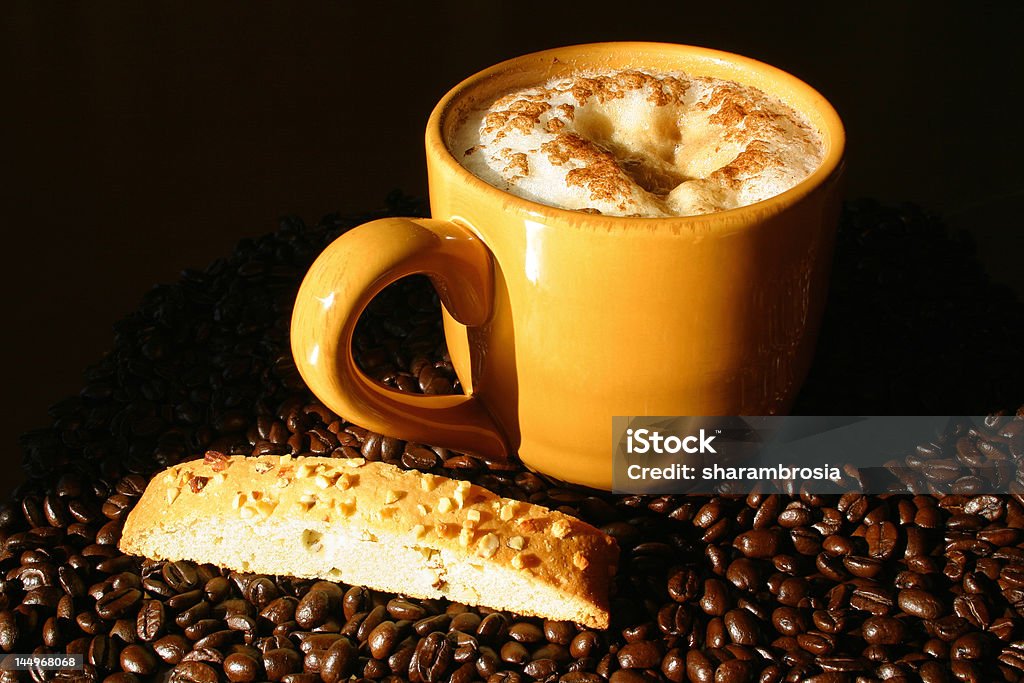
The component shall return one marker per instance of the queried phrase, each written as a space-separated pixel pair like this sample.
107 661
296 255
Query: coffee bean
584 644
872 598
193 672
150 622
514 653
181 576
742 627
714 600
684 585
279 662
789 621
280 610
437 622
757 543
969 646
241 668
382 639
883 631
432 657
699 668
403 609
138 659
919 603
103 652
339 662
560 632
881 539
216 589
816 642
525 632
584 677
743 573
261 591
313 609
494 625
641 655
171 648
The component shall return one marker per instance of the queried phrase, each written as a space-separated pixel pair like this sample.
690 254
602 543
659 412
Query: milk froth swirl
633 143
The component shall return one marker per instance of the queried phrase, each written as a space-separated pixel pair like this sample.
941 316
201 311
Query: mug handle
342 281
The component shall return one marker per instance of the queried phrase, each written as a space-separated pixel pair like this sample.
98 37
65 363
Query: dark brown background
143 138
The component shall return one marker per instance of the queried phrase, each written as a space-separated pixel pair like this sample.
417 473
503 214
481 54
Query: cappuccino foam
635 143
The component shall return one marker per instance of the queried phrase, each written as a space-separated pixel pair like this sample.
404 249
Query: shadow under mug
557 320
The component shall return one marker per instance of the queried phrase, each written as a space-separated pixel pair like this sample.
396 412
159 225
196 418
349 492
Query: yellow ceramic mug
557 320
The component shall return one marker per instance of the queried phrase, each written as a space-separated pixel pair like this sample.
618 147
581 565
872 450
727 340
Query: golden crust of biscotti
377 525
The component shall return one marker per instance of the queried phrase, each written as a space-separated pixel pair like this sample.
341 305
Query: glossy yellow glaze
557 320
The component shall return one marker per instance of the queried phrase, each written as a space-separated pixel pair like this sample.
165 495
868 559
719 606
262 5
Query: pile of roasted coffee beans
898 587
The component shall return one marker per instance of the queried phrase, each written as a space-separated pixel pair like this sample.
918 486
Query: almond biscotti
376 525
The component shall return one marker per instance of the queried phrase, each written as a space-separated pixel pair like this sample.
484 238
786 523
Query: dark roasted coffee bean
313 609
714 600
948 628
699 668
757 543
969 646
432 658
382 639
540 669
280 610
217 589
743 574
514 653
789 621
138 659
403 609
193 614
919 603
89 623
310 641
117 602
339 662
193 672
279 662
584 644
883 631
202 628
437 622
103 652
124 630
525 632
217 640
416 457
241 668
560 632
742 627
645 654
466 622
171 648
973 608
684 585
584 677
493 625
150 622
874 599
181 576
882 539
52 633
487 663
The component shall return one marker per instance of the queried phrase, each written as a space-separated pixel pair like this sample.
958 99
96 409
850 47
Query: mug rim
830 127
